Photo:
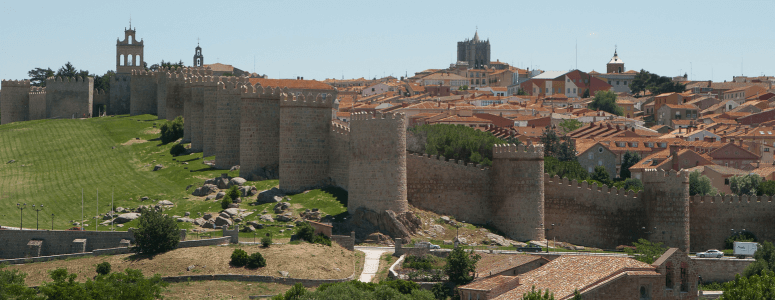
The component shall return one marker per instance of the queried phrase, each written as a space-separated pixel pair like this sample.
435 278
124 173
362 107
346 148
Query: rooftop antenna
254 63
577 54
130 21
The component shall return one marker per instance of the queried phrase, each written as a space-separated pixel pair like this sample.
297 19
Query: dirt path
371 263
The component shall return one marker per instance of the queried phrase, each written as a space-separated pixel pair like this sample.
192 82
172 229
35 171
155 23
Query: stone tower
377 162
518 191
260 132
142 87
305 122
475 52
14 101
616 65
69 97
666 198
209 105
195 121
227 122
199 60
129 57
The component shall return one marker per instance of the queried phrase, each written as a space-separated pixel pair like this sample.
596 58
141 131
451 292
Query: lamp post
37 215
21 208
546 236
52 221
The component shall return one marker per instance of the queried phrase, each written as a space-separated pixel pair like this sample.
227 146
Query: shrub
305 232
239 258
321 239
461 266
256 260
458 142
225 202
534 294
171 131
178 149
103 268
420 262
633 184
156 232
266 241
233 192
441 291
742 236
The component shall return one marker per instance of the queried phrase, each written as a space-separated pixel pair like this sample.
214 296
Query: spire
476 34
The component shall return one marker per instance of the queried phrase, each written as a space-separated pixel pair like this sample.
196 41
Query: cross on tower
197 41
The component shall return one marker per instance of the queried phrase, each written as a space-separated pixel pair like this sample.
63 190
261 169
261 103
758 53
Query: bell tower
198 58
616 65
129 53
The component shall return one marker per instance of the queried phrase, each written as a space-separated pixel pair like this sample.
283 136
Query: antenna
577 54
130 28
254 63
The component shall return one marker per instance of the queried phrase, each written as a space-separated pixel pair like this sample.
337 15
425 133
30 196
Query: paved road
371 264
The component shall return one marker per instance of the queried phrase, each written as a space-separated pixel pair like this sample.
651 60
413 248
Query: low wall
448 187
347 242
720 270
56 242
205 242
98 252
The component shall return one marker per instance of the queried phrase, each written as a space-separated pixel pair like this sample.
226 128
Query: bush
321 239
256 260
156 232
172 131
266 241
178 149
225 202
458 142
441 291
103 268
461 266
534 294
743 236
305 232
239 258
420 263
632 184
233 192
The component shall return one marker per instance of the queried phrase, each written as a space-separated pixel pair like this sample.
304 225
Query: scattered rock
106 223
234 205
185 162
236 200
187 214
445 219
76 223
448 242
462 240
157 167
438 229
187 220
238 181
199 221
267 218
189 186
237 220
220 221
270 196
220 195
253 223
231 211
313 214
223 181
283 273
378 238
248 191
123 218
13 160
286 217
205 190
209 197
280 207
234 168
207 216
144 198
190 268
120 225
248 228
120 209
497 239
166 203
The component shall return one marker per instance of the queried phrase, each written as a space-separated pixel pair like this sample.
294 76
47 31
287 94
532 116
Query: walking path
371 263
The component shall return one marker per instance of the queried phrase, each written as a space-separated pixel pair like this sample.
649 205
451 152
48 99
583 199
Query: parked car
434 246
711 253
530 248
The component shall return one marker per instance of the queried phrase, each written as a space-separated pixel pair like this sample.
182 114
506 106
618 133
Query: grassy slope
55 159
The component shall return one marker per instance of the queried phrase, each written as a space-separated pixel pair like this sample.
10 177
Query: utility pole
98 211
82 209
113 213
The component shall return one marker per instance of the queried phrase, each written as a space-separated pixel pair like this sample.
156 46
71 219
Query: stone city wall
69 97
259 132
143 93
449 187
120 93
195 121
175 95
100 102
714 217
227 122
209 108
584 214
339 156
14 101
720 270
666 199
161 94
305 123
517 201
37 103
378 162
57 241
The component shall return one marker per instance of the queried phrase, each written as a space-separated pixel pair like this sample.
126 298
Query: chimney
723 139
674 156
632 128
680 129
740 141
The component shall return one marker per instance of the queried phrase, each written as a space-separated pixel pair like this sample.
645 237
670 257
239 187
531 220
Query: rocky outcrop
205 190
273 195
388 222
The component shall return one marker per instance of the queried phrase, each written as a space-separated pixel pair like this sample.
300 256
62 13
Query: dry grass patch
222 290
133 141
385 261
152 131
304 260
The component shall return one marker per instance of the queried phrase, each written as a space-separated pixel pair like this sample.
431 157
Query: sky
709 40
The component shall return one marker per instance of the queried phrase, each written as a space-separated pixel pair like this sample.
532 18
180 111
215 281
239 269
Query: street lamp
52 221
21 208
546 236
37 214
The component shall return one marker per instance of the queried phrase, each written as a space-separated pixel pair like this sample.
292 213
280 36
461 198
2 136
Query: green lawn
56 159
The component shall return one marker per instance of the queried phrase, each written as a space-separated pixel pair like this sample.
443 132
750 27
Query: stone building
129 57
199 60
474 51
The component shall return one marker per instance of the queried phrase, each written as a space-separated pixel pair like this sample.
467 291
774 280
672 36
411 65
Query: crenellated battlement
258 91
450 163
310 100
585 186
365 116
337 128
15 83
512 151
176 77
69 80
36 90
231 88
663 176
143 73
731 199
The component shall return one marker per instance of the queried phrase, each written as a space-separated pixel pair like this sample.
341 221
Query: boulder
283 273
120 209
205 190
313 214
280 207
462 240
238 181
207 216
248 228
234 205
199 221
497 239
106 223
236 200
123 218
223 181
166 203
144 198
187 214
220 221
157 167
187 220
225 215
438 229
220 195
237 219
210 197
286 217
248 191
234 168
267 218
107 217
232 211
253 223
445 219
270 196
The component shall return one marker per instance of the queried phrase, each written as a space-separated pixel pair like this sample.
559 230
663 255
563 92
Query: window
600 149
726 181
568 90
662 145
684 278
609 82
372 89
644 293
766 149
547 90
600 162
574 90
617 82
669 275
635 144
589 169
625 83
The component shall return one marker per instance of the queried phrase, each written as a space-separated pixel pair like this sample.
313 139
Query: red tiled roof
292 84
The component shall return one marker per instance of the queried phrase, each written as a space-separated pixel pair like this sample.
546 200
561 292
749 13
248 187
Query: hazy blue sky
324 39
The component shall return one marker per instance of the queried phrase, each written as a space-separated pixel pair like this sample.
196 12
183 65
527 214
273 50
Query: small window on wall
726 181
589 169
644 292
600 149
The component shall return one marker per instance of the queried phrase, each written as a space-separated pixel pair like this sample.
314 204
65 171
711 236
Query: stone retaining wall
720 270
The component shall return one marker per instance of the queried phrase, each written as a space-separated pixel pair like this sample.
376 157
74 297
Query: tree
172 131
266 241
569 125
156 232
601 175
576 295
38 76
562 148
233 192
534 294
103 82
127 285
767 188
629 160
765 260
700 185
632 184
297 291
239 258
521 92
606 101
458 142
68 70
12 285
225 202
586 94
745 185
103 268
640 82
565 169
646 251
461 266
645 81
759 286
